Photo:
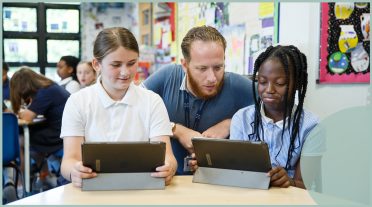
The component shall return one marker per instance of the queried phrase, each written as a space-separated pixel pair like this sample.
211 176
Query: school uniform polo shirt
70 85
91 113
49 102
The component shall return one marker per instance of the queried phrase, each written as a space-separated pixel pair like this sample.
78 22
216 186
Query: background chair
11 158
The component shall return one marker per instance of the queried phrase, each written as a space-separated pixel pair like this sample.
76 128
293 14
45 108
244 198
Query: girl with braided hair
280 75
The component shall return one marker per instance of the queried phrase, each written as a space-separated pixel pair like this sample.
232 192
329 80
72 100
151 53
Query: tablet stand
123 181
237 178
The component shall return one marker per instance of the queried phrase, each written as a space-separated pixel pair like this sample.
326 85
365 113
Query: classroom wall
96 16
299 25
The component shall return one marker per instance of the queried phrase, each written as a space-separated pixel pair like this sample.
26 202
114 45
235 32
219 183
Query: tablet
123 157
232 154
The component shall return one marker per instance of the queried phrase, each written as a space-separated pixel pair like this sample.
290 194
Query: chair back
11 148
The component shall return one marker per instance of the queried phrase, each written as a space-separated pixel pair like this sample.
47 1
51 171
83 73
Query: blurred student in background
66 69
6 92
86 74
33 94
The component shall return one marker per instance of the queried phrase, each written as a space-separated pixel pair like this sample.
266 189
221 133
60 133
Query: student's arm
310 170
72 167
220 130
297 179
169 168
184 135
27 115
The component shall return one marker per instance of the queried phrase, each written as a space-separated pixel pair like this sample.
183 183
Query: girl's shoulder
310 117
247 111
144 93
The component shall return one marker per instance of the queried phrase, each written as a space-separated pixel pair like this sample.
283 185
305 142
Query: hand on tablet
279 177
193 163
165 171
79 171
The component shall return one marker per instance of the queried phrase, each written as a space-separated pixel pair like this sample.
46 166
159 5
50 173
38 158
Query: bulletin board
344 43
104 15
192 14
247 33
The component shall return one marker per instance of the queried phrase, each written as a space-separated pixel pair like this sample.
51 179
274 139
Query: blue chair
54 165
11 151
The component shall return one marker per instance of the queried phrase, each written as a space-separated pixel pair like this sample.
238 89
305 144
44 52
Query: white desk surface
181 191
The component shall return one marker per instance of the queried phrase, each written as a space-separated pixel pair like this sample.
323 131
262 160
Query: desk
181 191
26 152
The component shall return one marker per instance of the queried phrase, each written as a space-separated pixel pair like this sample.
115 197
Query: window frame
41 35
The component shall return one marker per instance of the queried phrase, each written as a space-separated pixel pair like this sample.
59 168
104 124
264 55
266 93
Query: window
14 21
20 50
38 34
62 20
58 48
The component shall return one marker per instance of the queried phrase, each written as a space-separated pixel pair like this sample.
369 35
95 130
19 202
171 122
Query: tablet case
123 165
232 163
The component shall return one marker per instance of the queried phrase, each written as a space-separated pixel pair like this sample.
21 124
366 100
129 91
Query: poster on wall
345 43
260 28
234 36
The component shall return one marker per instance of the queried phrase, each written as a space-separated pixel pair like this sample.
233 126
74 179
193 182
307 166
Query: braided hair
295 66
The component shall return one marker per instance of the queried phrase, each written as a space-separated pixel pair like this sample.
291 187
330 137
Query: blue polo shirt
169 83
50 102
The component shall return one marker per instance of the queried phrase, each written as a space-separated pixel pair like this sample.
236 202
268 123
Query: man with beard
200 96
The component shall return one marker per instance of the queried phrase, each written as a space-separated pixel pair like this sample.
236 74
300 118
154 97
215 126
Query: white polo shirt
91 113
70 85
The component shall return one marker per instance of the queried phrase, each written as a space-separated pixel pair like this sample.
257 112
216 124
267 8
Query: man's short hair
203 33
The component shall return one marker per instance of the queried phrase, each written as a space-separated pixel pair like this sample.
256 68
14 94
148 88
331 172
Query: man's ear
70 69
96 65
184 64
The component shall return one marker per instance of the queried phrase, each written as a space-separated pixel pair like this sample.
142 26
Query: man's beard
198 92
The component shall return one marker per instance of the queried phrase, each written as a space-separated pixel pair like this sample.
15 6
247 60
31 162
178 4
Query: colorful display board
345 43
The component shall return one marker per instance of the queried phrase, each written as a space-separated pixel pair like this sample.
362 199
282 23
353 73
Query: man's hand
193 163
184 136
220 130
